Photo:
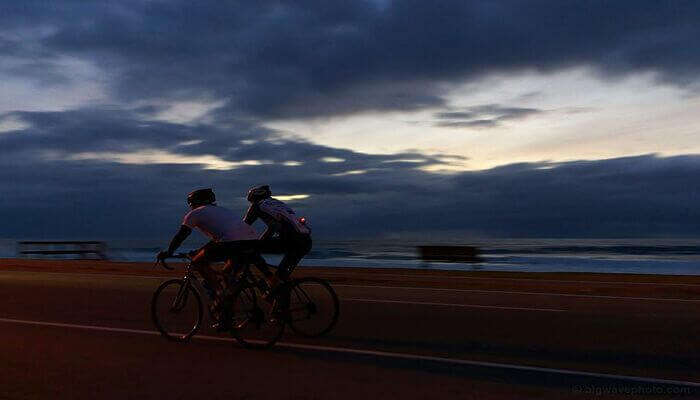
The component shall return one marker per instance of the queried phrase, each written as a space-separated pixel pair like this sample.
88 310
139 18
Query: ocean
639 256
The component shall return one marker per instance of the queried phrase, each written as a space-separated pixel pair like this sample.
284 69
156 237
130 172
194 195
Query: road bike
251 313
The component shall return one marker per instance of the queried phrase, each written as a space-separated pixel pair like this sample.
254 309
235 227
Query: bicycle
256 319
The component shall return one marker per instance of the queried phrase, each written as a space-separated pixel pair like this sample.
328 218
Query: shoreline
147 268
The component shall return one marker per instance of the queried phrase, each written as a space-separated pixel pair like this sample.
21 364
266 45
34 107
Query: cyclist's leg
244 252
262 266
291 257
296 247
201 263
228 252
230 267
253 256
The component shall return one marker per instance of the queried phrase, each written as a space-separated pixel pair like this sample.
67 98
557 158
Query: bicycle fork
181 299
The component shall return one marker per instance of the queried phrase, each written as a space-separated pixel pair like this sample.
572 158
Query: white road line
423 303
447 277
385 354
95 274
78 326
373 274
519 293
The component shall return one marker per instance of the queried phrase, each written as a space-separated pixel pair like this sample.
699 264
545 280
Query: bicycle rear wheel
252 321
176 310
313 307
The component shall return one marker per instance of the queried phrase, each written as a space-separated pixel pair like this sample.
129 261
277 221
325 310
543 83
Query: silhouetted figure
294 232
230 239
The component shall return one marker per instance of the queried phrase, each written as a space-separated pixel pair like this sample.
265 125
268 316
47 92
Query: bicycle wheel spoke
297 309
176 310
253 325
313 308
180 300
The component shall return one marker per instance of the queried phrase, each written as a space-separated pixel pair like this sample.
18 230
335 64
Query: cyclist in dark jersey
294 233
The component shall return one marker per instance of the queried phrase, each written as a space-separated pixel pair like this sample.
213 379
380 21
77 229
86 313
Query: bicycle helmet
258 193
201 197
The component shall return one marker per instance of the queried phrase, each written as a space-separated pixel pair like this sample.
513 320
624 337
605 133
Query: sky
421 119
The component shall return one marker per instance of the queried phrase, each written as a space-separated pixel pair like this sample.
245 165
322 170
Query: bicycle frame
284 300
191 279
236 276
181 298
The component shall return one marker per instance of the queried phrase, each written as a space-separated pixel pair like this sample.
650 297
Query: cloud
318 58
122 136
90 172
291 197
71 195
121 170
9 123
642 196
483 116
476 123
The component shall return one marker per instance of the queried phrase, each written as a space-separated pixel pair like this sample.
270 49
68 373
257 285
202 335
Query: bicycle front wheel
176 310
254 322
313 307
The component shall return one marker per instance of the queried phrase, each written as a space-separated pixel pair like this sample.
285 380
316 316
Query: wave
609 250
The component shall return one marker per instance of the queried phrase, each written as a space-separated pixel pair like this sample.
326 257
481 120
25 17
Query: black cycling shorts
295 247
239 251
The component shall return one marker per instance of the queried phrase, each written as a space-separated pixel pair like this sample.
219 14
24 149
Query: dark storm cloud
623 197
71 196
311 58
271 59
633 196
67 134
476 123
59 137
484 116
456 115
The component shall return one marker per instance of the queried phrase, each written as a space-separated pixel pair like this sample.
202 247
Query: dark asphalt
613 327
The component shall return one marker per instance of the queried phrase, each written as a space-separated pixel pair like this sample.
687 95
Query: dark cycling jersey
278 217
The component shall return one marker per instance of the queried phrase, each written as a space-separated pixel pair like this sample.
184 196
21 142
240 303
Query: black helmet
258 193
201 197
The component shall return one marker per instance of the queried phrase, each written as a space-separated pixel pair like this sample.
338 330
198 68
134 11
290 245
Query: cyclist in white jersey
231 238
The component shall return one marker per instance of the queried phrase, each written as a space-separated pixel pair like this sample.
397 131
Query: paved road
78 335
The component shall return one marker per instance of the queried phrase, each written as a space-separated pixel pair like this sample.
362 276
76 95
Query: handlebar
166 266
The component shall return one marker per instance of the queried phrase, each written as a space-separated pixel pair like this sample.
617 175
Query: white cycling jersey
219 223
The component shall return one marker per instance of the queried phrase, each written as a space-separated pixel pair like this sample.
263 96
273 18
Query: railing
86 249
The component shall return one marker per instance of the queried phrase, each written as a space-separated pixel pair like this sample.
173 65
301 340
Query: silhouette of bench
85 249
468 254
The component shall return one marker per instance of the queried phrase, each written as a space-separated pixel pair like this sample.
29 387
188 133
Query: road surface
83 330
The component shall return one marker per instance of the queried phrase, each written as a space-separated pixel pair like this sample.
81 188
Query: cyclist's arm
179 237
251 215
267 233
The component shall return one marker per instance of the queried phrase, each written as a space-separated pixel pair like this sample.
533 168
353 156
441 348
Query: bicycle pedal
221 327
223 322
273 319
269 297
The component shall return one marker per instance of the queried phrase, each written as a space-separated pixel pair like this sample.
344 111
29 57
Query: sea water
645 256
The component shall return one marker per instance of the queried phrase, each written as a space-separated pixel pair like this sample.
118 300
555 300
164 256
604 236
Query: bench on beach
85 249
469 254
